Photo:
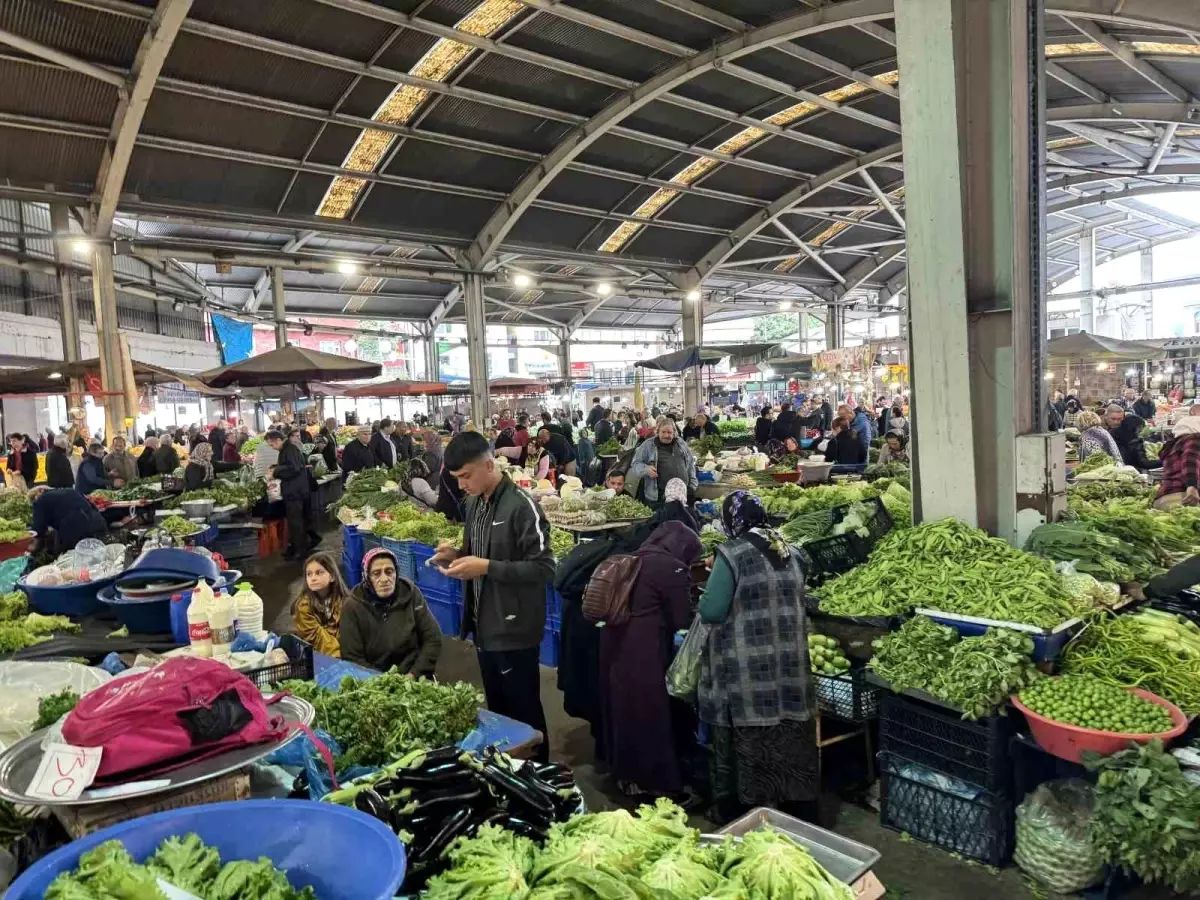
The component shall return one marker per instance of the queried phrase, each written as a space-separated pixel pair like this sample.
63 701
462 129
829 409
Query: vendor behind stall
1180 458
356 455
145 461
756 690
90 476
419 485
119 464
386 621
1095 437
62 517
22 462
166 458
317 611
199 472
894 449
664 457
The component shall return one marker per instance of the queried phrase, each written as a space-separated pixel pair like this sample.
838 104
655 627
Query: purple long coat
638 739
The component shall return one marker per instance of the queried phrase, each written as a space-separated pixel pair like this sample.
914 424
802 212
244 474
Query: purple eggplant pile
430 798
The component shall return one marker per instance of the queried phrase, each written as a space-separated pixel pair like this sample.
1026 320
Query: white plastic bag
1053 844
22 684
274 490
683 675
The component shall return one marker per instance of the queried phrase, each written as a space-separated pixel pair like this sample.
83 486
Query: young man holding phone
505 565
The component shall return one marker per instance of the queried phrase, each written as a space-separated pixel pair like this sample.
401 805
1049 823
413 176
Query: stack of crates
444 595
945 780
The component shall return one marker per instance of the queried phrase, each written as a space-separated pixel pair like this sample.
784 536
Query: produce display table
512 737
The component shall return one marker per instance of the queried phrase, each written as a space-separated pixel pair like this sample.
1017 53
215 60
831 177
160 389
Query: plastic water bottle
220 620
199 628
249 610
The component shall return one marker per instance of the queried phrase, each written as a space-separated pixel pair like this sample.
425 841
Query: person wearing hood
662 458
119 464
756 690
198 474
1126 431
386 621
317 610
1071 410
90 476
639 744
58 464
785 424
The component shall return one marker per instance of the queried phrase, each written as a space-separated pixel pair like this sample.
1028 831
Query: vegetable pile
1093 552
109 871
791 500
951 567
733 427
53 707
378 720
433 798
20 629
15 506
825 656
1150 650
1087 702
611 447
12 530
178 526
1163 537
618 856
404 522
561 542
711 538
223 494
1145 816
975 674
1095 460
130 492
709 443
376 488
895 470
623 508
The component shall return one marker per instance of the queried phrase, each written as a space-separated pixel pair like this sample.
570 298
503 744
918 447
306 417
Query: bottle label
222 634
199 632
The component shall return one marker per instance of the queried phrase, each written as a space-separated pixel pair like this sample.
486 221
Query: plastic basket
342 854
11 549
406 566
431 578
299 664
975 752
1070 741
855 634
548 650
446 609
236 543
833 556
849 697
554 603
976 824
74 600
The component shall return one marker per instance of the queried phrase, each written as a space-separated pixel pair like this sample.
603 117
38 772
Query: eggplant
425 803
371 803
455 825
527 829
534 802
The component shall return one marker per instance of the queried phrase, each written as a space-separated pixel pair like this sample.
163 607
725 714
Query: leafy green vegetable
178 526
791 500
709 443
1095 460
611 447
224 494
733 427
895 470
13 605
53 707
562 542
623 507
19 630
15 506
186 863
405 522
774 867
380 719
1092 552
1145 816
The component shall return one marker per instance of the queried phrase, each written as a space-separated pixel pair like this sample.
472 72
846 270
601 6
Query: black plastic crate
849 696
832 556
299 664
973 751
236 543
974 823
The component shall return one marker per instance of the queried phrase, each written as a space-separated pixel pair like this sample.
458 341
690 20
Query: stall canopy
1093 346
517 385
401 387
794 364
289 366
739 354
56 379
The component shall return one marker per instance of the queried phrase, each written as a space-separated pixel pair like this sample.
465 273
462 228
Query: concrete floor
908 868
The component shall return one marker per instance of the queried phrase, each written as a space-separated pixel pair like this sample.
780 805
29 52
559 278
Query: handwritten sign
65 772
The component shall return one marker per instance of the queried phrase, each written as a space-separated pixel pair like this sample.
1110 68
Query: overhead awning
1093 346
403 387
517 385
289 365
739 355
56 379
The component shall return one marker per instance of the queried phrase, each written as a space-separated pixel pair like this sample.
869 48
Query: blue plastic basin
74 600
341 853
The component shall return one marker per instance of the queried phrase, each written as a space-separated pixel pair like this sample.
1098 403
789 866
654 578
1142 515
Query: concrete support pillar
477 347
564 356
277 301
835 323
104 297
68 317
692 328
1148 296
802 331
975 194
431 356
1087 280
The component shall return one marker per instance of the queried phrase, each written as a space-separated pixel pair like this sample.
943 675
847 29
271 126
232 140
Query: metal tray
844 859
19 763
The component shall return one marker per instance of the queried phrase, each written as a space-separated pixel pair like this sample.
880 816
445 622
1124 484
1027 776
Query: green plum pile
1087 702
825 655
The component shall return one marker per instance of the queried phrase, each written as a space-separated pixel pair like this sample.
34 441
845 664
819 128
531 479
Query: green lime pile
825 655
1088 702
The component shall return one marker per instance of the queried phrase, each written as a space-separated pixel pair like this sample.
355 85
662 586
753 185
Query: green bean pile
951 567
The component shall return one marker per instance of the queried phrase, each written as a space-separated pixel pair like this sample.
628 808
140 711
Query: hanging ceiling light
347 268
521 280
604 289
81 247
785 305
693 295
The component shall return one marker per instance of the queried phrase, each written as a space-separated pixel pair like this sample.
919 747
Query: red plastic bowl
1069 741
786 477
16 548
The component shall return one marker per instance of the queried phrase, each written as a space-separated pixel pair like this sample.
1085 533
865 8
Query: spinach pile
611 447
109 871
616 855
733 427
624 508
975 674
1145 816
378 720
404 522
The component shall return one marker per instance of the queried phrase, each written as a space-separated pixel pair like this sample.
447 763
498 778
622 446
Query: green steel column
477 348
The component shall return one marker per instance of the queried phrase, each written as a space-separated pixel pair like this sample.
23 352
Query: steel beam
278 302
68 316
531 186
862 272
160 34
884 200
1058 73
1100 139
1164 145
809 252
254 301
1087 272
1129 58
1171 15
66 60
477 359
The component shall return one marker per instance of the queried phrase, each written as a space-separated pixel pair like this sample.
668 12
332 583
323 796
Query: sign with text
65 772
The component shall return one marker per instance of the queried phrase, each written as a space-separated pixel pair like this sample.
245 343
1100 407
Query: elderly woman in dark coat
638 739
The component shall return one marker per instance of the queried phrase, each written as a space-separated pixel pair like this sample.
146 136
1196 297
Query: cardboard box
868 888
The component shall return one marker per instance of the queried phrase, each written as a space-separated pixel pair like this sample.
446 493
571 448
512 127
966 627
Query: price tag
65 772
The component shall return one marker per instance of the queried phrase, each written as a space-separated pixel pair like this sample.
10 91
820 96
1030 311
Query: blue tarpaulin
236 339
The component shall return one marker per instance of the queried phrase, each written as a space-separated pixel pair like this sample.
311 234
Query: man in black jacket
59 473
216 438
381 445
785 423
21 459
292 472
69 514
595 413
505 565
357 454
403 441
604 427
558 447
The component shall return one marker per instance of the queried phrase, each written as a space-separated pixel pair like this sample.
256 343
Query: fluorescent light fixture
55 375
347 268
693 295
604 289
1049 376
785 305
522 280
82 246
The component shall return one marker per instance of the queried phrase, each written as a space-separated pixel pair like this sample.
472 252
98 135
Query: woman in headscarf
317 611
431 455
675 506
386 621
199 471
1094 437
755 691
639 743
416 484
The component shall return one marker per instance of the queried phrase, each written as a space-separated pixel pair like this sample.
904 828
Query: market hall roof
631 143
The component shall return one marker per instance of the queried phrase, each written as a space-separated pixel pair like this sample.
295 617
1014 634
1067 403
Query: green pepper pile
954 568
223 494
562 542
1095 460
178 526
975 674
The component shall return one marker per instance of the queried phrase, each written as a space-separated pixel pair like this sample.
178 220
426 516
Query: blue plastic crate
448 614
548 651
1046 646
430 578
352 555
403 551
554 623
